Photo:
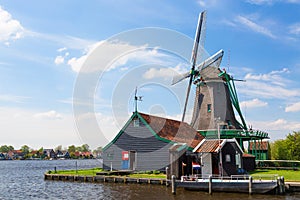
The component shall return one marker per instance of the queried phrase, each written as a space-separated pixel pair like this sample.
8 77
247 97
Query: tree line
73 151
286 149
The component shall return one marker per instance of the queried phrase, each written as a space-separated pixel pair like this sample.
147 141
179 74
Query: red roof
246 155
259 145
209 146
173 130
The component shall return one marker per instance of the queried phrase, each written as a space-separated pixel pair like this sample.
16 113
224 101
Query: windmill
215 91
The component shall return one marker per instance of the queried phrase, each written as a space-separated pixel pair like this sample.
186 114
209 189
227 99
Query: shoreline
290 187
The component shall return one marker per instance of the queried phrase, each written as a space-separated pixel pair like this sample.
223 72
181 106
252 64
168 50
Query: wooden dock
108 179
289 187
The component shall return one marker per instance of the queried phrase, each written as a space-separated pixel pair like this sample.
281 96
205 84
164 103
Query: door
132 160
206 165
125 160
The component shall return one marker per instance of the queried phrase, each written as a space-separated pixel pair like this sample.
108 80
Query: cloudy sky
69 69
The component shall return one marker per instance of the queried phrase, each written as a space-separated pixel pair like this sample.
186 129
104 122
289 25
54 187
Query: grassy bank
92 172
289 175
87 172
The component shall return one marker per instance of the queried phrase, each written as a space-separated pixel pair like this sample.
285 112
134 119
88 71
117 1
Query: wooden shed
219 157
144 142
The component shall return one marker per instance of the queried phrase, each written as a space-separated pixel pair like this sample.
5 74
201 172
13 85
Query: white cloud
21 127
254 26
273 77
277 125
13 98
114 54
10 29
164 72
61 49
266 90
254 103
271 2
293 108
295 29
52 114
207 3
261 2
59 60
269 85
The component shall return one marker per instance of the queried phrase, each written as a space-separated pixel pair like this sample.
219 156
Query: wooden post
173 184
283 185
210 185
167 173
280 185
250 185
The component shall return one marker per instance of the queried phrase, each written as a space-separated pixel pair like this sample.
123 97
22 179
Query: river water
25 180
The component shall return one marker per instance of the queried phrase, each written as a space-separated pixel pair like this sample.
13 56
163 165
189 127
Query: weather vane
136 99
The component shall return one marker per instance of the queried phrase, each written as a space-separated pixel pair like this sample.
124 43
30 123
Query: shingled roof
259 146
172 130
208 146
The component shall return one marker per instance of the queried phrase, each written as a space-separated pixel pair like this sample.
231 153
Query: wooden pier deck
109 179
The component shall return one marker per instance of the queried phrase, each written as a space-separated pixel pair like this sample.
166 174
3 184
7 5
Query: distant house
15 155
49 153
260 149
144 143
87 155
2 156
62 154
212 151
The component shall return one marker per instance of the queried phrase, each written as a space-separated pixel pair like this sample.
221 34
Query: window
208 108
110 155
227 158
136 123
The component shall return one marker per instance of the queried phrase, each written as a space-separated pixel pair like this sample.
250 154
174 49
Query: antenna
228 64
136 99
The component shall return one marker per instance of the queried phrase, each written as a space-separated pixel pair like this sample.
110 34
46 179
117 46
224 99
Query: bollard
210 184
278 189
250 185
173 184
167 171
283 185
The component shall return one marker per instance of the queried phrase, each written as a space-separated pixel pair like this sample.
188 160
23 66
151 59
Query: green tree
286 149
71 149
25 149
293 144
4 149
85 148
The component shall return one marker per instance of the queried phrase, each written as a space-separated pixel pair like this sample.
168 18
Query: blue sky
45 45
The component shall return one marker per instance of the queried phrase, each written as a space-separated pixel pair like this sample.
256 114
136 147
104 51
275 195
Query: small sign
125 155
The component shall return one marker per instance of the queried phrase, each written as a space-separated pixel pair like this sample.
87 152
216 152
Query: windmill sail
198 38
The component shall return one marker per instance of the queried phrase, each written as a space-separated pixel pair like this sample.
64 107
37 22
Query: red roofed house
260 149
145 142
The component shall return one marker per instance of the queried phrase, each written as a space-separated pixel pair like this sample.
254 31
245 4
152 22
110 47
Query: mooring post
283 185
167 171
210 184
250 185
278 189
280 185
173 184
